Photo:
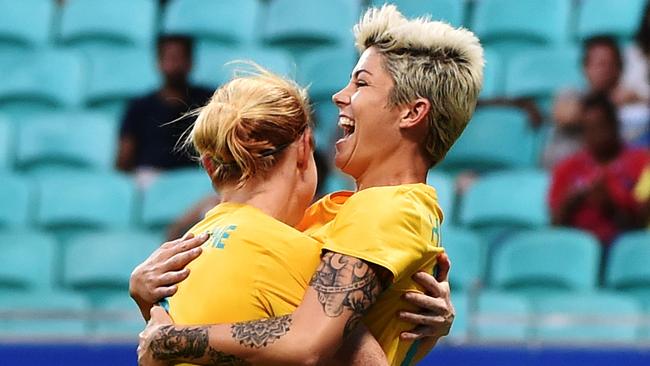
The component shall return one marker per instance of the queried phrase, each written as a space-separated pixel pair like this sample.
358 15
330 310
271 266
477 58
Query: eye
360 83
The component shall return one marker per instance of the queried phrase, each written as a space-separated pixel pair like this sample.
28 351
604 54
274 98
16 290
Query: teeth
345 121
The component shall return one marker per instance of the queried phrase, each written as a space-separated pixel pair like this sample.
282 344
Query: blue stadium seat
6 144
100 264
460 329
226 22
496 138
511 26
627 267
587 318
76 201
28 260
25 23
51 315
619 18
86 23
337 181
493 75
74 139
16 195
215 65
120 318
446 191
514 199
468 257
117 74
501 317
165 201
451 11
547 260
313 23
41 82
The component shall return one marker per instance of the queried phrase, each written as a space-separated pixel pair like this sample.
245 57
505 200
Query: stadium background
72 228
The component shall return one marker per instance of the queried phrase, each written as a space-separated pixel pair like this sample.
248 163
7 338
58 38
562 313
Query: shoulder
200 94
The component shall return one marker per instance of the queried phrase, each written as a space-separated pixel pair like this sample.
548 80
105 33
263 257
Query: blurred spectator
603 68
593 188
642 195
152 124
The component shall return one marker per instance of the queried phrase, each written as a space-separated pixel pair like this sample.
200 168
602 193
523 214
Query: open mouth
347 124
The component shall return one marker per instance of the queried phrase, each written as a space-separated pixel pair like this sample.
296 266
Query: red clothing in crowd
581 171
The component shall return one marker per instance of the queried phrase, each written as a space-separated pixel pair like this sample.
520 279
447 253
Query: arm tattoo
345 282
261 333
171 344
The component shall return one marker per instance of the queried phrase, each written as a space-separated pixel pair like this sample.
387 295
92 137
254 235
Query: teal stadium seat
215 64
43 315
83 140
628 266
6 144
337 181
619 18
117 74
547 260
493 75
313 23
450 11
460 328
508 199
513 26
27 262
77 201
224 22
495 138
444 186
25 23
100 264
87 23
172 194
501 317
16 195
467 255
42 81
587 319
325 72
119 318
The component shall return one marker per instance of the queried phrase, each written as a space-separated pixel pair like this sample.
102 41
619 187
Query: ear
305 150
208 164
414 113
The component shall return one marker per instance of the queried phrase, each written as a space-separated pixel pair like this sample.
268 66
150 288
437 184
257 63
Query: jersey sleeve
397 230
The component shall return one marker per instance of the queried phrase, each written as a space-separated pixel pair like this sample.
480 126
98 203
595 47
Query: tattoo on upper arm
261 333
344 282
172 344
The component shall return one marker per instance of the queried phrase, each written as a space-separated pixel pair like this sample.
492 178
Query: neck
403 166
606 155
171 92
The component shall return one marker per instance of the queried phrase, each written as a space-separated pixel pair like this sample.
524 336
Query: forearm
360 349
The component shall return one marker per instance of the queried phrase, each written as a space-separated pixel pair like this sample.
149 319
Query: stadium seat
493 75
446 191
451 11
86 23
25 23
512 26
118 74
43 315
226 22
508 199
118 318
215 65
16 195
6 144
619 18
42 81
546 260
100 264
627 266
337 181
496 138
467 255
172 194
21 250
501 317
70 202
313 23
460 328
591 318
73 139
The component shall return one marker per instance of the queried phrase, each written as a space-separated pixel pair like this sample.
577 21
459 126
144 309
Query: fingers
444 265
158 315
419 319
432 287
187 243
433 305
173 278
179 260
160 293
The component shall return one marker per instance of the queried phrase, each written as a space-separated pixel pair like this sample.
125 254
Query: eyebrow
356 73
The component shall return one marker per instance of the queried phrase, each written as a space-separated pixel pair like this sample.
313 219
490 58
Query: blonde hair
247 124
427 59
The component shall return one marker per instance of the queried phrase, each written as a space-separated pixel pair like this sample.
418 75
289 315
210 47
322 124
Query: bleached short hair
427 59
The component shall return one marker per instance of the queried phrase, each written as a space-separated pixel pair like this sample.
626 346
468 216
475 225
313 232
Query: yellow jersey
642 188
395 227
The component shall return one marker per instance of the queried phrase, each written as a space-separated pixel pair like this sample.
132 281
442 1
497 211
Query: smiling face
370 123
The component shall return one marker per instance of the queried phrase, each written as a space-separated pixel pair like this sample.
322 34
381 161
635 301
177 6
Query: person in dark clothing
153 123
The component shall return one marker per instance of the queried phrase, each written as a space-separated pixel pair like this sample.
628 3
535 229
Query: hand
436 313
159 319
157 277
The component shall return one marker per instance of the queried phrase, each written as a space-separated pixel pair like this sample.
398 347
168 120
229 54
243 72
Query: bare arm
125 160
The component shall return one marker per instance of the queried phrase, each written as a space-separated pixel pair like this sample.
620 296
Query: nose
341 98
